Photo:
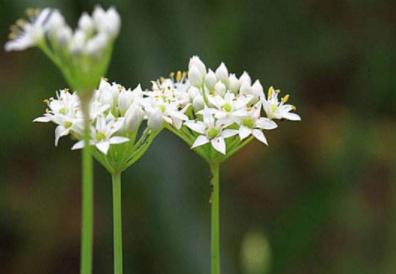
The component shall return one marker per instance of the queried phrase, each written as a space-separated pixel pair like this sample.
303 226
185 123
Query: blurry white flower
28 34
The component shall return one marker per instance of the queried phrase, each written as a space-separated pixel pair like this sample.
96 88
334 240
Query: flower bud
155 120
106 98
222 73
245 78
196 62
96 45
125 99
220 88
193 92
258 91
195 77
64 35
113 22
234 83
133 118
246 89
198 103
55 21
210 80
86 23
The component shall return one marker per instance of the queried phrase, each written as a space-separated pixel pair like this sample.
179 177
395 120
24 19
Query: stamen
172 74
21 23
285 99
178 76
270 92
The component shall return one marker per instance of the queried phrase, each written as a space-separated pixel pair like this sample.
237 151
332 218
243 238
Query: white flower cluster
116 115
91 37
212 106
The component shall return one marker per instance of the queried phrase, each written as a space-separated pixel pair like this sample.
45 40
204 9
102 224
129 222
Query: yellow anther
172 74
105 79
285 99
46 101
30 11
11 36
270 92
293 107
162 79
277 90
178 76
20 23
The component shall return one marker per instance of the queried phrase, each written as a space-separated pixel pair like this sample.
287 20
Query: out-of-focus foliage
320 199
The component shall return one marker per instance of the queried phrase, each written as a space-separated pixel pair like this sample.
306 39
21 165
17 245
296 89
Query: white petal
118 140
227 133
244 132
260 136
196 126
60 131
219 144
292 116
103 146
42 120
265 123
78 145
201 140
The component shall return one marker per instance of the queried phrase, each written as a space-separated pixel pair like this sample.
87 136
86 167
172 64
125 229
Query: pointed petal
42 119
78 145
292 116
244 132
260 136
196 126
201 140
265 123
227 133
219 144
118 140
103 146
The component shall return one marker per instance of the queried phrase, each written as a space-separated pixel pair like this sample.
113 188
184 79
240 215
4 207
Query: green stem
117 223
215 235
87 199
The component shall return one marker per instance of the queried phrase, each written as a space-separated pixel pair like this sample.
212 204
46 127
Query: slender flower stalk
217 114
117 222
215 230
83 57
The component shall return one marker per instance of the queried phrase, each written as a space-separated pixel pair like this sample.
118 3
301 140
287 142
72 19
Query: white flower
155 119
64 111
133 118
279 110
212 131
226 107
245 78
28 34
251 123
210 80
102 135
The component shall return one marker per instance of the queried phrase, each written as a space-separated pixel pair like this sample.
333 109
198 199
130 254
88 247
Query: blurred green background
319 199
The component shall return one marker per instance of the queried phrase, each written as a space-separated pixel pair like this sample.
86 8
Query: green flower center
227 107
248 122
68 124
212 133
162 108
100 136
274 108
62 111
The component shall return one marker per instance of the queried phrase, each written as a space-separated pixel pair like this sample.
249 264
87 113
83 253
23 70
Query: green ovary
227 107
100 136
248 122
274 108
68 124
212 133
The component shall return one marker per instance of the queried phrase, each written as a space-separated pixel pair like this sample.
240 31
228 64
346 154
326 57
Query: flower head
215 108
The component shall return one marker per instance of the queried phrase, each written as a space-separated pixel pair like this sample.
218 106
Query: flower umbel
116 115
82 55
215 112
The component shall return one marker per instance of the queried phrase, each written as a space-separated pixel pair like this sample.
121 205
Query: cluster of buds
216 112
82 55
116 115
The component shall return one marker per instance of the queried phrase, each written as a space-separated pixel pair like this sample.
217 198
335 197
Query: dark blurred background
319 199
